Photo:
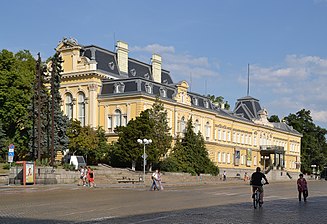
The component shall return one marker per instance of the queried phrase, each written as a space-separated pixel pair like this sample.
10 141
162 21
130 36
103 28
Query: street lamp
144 142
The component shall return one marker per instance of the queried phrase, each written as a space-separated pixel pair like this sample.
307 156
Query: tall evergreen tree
190 154
161 138
60 121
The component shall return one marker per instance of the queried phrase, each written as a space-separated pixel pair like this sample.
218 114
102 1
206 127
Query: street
228 202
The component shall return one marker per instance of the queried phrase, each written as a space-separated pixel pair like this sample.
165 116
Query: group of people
86 176
257 183
156 181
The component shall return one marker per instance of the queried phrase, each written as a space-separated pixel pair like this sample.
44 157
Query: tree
273 118
160 136
16 90
84 141
313 142
127 150
59 121
219 101
190 155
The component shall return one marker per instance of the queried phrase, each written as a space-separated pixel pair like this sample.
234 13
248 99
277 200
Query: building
104 88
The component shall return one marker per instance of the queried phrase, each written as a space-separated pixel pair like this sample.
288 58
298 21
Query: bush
68 167
6 166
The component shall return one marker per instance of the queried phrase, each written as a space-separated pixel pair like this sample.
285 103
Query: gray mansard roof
139 80
107 63
247 107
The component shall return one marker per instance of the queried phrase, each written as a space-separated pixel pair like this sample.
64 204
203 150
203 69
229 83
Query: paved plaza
227 202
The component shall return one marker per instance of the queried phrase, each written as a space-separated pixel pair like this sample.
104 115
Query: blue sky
207 43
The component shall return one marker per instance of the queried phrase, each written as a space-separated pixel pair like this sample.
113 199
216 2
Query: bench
129 181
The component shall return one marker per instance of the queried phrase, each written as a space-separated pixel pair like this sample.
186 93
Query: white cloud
299 83
154 48
319 116
180 65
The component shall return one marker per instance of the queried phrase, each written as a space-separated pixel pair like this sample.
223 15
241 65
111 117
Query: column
93 104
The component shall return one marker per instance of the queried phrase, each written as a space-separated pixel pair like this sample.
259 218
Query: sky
207 43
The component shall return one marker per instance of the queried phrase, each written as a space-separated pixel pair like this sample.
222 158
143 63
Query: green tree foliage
87 142
273 118
151 124
60 121
16 90
190 155
219 101
127 150
313 143
160 135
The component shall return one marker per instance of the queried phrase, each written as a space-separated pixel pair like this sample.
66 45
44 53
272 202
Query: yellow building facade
104 88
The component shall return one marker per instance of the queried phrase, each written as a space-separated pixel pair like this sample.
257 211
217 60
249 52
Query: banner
249 157
29 173
237 156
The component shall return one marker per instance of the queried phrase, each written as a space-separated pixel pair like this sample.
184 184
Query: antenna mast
248 90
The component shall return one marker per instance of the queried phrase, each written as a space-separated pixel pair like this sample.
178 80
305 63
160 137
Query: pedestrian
154 178
85 180
224 175
90 177
159 180
246 177
82 180
302 187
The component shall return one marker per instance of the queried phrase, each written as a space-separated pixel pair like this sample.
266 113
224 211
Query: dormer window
148 88
195 101
119 87
163 92
206 104
133 72
147 76
111 65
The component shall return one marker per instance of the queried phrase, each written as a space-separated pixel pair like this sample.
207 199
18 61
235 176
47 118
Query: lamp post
144 142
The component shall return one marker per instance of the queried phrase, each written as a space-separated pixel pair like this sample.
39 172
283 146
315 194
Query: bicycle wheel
256 199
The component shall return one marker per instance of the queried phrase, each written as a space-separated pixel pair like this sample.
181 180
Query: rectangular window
228 158
219 157
124 120
109 123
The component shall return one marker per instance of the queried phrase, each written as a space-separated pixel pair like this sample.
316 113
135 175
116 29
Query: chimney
122 54
156 67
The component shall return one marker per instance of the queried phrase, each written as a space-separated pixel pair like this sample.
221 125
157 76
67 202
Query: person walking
302 187
154 178
90 177
224 175
82 179
159 180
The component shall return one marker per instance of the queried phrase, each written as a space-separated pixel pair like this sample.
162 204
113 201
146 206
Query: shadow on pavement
273 211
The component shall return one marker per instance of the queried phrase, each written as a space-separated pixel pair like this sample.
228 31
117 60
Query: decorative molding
93 87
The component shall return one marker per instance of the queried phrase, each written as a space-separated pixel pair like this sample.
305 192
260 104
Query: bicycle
256 199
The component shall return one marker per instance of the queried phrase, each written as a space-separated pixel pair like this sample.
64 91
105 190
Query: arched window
118 118
69 105
81 108
197 126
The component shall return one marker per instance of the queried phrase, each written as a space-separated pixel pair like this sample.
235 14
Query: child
302 187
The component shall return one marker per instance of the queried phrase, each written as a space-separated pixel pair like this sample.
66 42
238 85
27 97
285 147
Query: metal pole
144 163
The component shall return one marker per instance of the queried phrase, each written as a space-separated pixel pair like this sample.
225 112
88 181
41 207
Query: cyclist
256 182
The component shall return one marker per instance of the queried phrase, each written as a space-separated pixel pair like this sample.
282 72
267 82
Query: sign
11 147
10 159
29 167
145 156
11 154
237 156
